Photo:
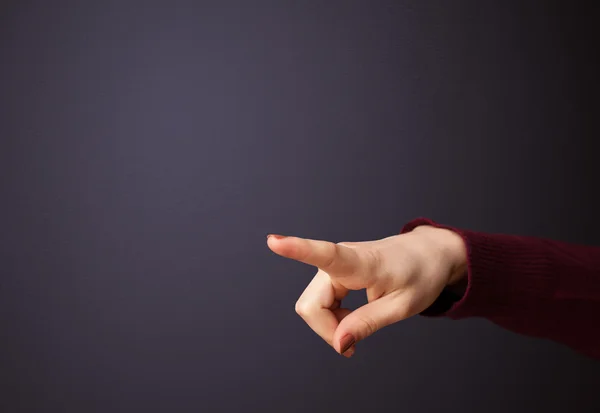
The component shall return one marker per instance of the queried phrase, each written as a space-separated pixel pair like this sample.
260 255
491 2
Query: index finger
329 257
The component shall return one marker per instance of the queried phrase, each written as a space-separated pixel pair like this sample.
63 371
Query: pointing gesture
402 275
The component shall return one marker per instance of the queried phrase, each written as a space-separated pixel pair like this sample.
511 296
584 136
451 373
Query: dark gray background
147 148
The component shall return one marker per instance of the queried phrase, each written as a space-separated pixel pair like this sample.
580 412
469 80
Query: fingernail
275 236
349 353
346 342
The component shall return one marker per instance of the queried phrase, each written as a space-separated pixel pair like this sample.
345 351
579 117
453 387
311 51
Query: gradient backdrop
148 147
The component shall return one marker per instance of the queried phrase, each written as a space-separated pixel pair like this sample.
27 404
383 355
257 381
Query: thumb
368 319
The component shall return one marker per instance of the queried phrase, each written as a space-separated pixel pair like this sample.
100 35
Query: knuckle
332 256
374 259
373 264
302 308
370 325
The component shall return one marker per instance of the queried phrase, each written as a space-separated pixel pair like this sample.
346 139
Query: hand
403 275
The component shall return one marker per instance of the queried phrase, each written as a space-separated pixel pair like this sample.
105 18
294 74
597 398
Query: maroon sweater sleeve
531 286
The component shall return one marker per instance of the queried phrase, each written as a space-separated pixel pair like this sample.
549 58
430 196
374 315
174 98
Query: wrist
453 247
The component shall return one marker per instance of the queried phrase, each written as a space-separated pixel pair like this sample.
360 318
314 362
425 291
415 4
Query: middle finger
316 305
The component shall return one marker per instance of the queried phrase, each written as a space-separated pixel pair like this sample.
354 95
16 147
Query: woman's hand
403 275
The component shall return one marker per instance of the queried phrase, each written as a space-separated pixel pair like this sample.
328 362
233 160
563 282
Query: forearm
532 286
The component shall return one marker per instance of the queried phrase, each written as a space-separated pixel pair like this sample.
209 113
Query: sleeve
536 287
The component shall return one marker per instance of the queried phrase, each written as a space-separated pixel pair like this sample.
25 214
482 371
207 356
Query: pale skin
402 275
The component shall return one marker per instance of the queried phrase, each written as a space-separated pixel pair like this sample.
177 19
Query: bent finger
315 306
